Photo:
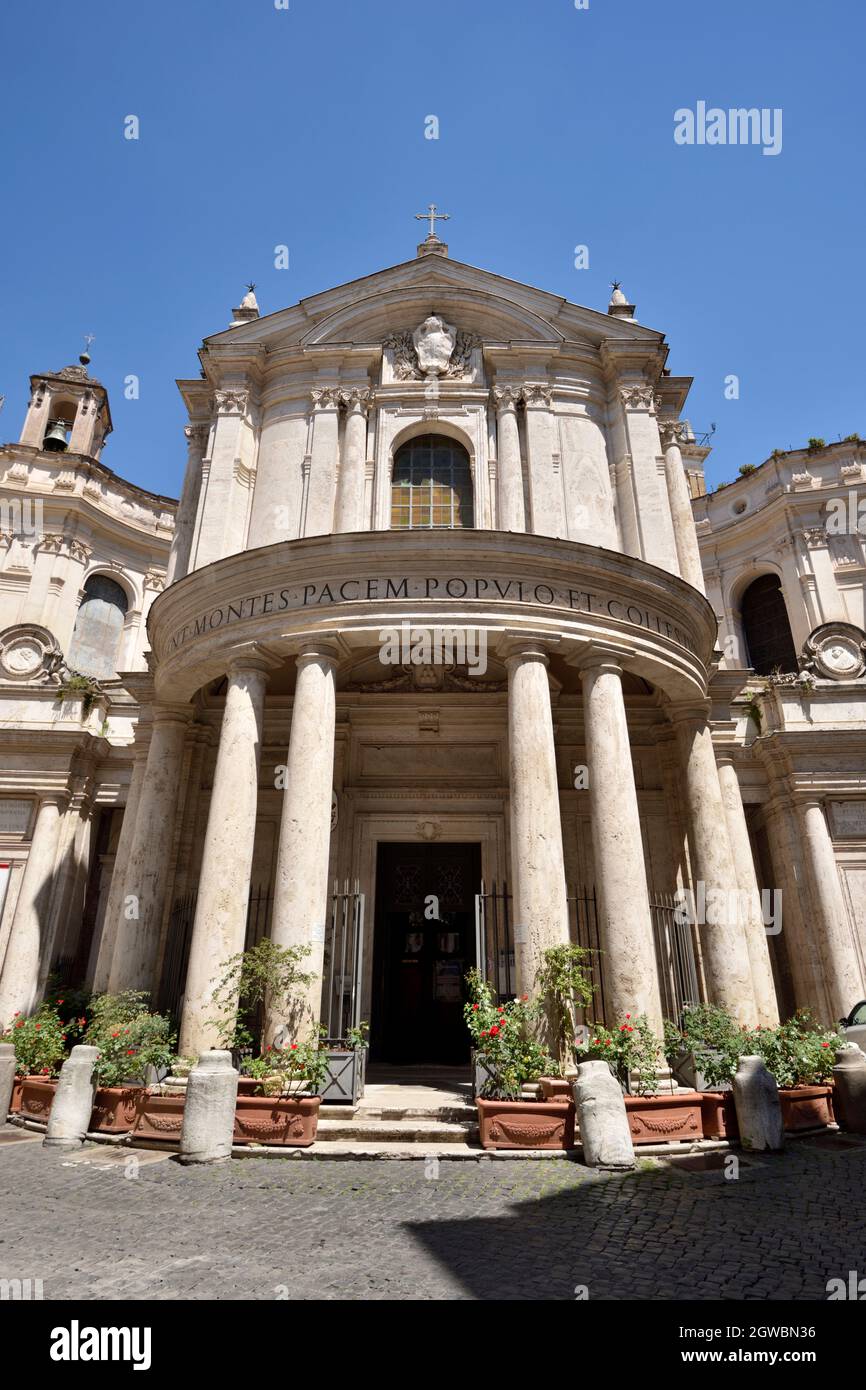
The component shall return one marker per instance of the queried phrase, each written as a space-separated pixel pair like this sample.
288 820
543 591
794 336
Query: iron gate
344 961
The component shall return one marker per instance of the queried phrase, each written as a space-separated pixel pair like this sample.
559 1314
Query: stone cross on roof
432 216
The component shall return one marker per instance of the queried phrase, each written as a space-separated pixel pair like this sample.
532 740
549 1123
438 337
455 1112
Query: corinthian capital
506 397
673 432
324 397
231 402
357 399
640 397
537 393
196 436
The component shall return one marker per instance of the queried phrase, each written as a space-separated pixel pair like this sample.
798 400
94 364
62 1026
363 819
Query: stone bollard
759 1113
69 1117
209 1111
7 1078
849 1093
602 1118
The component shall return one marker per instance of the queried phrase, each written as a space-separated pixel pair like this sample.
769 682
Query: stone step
362 1130
448 1114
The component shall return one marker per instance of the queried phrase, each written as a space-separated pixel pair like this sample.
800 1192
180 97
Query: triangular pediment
366 310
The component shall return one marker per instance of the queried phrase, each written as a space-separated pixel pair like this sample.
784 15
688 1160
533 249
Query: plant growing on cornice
816 444
753 710
747 468
852 439
777 454
86 687
720 486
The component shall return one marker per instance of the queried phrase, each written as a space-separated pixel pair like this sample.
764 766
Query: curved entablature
347 589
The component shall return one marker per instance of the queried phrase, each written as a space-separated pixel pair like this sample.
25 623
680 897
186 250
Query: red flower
269 1047
624 1028
629 1030
20 1025
130 1052
294 1047
628 1015
825 1044
494 1031
476 1007
595 1042
37 1026
608 1043
59 1002
524 997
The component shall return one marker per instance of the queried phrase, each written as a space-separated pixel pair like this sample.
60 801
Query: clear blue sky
306 127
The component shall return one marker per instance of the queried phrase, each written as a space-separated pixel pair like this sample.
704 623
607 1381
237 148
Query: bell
55 437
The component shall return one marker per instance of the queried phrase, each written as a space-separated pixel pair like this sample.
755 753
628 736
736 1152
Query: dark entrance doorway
420 960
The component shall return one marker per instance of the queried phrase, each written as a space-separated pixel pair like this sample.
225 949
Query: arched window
96 639
769 644
431 485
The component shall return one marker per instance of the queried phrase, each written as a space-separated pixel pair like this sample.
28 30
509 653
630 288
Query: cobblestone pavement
498 1229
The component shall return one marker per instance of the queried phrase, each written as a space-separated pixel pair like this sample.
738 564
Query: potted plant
262 992
345 1065
40 1043
800 1056
565 985
633 1053
479 1014
136 1051
281 1105
704 1055
513 1059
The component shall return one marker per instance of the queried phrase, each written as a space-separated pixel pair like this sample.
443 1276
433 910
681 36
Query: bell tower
68 412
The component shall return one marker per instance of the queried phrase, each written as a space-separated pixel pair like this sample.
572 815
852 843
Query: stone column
219 930
843 972
321 488
750 897
301 881
511 510
725 953
145 883
181 546
19 980
350 486
629 966
685 535
125 841
540 907
547 502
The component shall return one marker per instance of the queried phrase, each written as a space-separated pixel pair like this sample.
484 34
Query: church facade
443 657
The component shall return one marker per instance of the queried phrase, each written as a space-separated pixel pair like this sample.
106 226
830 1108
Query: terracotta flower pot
15 1098
289 1120
719 1115
37 1093
557 1088
664 1119
116 1108
160 1117
806 1107
519 1124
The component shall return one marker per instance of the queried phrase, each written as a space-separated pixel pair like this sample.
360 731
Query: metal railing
674 947
675 954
